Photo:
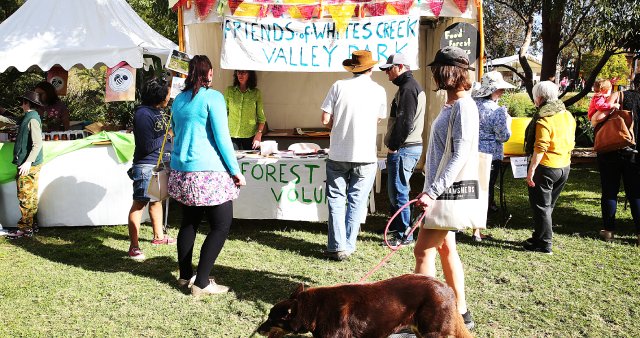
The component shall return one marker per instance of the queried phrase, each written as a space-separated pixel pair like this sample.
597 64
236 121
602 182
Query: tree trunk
552 15
527 78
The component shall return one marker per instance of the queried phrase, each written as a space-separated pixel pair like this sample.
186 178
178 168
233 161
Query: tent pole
481 59
180 29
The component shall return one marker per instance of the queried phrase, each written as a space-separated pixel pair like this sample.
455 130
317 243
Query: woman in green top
244 107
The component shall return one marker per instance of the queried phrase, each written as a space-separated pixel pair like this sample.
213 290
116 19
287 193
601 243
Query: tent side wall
294 99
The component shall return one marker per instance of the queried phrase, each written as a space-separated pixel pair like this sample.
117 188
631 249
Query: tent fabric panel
76 32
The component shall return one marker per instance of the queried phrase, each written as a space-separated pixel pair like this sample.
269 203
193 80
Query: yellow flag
246 9
341 15
391 10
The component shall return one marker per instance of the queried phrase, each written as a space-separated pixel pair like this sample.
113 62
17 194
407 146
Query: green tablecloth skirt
122 143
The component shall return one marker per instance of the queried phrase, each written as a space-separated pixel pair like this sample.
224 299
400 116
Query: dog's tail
461 329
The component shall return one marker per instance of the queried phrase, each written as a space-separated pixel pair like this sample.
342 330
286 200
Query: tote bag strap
448 144
166 132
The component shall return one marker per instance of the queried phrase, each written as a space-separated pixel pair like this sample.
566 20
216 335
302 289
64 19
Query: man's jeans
348 188
400 166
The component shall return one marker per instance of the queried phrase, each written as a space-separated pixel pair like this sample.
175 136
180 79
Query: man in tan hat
27 155
352 110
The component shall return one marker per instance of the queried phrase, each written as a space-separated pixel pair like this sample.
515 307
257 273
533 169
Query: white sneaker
189 283
211 289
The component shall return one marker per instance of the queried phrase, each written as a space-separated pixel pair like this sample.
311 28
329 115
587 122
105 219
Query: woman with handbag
549 139
149 129
623 164
457 123
205 176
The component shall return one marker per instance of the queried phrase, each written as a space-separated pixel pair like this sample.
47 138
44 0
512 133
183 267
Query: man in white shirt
352 110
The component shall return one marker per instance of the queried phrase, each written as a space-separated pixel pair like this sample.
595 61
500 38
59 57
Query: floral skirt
202 188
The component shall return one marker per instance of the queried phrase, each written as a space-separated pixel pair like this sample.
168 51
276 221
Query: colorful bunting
233 5
436 6
203 7
278 10
341 15
376 9
462 5
401 7
307 10
248 9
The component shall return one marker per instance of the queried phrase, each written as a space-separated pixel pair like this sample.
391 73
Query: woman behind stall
246 115
495 129
621 164
149 127
205 176
54 113
450 70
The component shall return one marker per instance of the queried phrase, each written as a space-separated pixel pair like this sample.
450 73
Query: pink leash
394 248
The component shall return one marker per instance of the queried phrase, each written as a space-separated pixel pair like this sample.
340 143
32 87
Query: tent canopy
534 62
77 32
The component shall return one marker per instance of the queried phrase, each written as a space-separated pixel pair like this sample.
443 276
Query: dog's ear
297 291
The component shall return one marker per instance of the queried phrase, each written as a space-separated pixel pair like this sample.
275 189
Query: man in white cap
352 109
404 141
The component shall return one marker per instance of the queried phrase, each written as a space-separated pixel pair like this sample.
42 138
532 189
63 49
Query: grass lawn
78 281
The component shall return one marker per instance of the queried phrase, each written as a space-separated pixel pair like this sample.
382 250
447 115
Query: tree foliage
610 26
615 68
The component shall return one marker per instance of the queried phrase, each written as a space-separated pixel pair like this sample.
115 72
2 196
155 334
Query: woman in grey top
450 70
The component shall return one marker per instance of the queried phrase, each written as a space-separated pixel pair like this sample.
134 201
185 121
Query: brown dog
374 310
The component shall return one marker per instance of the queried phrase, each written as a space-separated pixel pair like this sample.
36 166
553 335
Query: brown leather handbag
615 132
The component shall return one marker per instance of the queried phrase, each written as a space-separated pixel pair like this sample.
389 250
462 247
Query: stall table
86 186
283 188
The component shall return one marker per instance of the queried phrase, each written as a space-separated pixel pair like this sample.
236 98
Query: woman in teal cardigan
246 114
205 176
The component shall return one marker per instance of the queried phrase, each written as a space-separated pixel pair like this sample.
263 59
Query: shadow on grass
84 248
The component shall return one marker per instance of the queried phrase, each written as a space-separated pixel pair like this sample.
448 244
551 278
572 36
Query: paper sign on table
519 166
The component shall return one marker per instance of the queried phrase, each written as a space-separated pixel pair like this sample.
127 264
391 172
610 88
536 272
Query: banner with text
291 45
291 189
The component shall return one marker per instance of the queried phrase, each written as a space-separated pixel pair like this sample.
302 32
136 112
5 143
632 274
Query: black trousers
493 177
542 198
242 143
614 166
219 218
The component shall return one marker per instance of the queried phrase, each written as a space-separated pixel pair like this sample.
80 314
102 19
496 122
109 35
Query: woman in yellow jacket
549 139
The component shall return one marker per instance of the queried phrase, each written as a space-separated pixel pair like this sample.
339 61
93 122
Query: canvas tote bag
463 205
158 189
615 132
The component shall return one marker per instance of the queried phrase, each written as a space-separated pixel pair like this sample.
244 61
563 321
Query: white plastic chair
304 147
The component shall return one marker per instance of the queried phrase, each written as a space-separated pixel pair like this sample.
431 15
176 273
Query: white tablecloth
85 187
289 189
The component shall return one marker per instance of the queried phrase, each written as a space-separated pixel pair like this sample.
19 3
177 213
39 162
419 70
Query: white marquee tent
77 32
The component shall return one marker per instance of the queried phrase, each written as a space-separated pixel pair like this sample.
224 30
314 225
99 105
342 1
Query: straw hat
491 82
361 60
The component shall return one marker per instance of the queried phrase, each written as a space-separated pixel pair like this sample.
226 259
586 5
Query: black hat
32 97
451 56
